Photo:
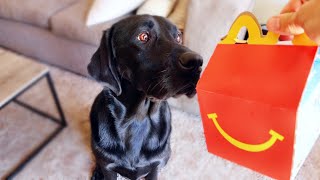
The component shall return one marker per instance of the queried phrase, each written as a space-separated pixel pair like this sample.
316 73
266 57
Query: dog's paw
97 175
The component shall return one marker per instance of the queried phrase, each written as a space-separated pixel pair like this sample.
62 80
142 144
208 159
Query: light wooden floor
16 73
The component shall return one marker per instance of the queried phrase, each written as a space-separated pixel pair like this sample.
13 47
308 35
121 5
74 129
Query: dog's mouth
159 91
191 93
189 90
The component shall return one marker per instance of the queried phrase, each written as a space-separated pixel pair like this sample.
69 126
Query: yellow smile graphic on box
247 147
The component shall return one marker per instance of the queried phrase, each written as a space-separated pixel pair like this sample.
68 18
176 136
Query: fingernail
274 23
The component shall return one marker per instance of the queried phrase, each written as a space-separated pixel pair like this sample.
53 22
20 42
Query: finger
285 38
285 24
292 6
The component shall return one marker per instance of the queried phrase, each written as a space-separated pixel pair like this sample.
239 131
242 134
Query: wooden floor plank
16 73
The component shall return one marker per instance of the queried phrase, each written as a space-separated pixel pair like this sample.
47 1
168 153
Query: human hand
297 17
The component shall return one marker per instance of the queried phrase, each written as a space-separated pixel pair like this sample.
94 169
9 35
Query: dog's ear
103 64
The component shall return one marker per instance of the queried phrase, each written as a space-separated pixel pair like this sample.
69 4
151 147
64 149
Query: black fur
130 118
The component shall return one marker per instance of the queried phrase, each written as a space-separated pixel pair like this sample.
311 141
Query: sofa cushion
71 23
179 14
157 7
35 12
106 10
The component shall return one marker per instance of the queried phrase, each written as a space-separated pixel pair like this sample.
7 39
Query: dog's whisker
149 87
183 87
163 71
122 75
160 74
153 79
158 83
162 81
161 89
165 80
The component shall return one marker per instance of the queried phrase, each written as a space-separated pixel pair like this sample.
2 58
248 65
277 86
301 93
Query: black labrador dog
141 62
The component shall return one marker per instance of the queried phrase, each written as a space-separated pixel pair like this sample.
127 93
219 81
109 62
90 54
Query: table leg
62 122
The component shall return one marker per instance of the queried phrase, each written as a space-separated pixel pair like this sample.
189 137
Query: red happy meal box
258 101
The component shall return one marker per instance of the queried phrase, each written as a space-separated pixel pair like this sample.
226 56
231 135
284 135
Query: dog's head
146 51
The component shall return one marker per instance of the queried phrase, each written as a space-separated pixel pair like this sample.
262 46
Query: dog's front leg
98 174
110 175
153 175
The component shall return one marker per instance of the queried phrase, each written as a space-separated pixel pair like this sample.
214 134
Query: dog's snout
190 61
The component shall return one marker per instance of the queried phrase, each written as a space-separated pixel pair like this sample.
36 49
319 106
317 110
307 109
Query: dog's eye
179 38
144 37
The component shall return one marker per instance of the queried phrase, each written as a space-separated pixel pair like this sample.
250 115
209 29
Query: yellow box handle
248 20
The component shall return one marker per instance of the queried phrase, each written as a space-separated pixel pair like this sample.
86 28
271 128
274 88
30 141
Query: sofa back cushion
106 10
70 23
35 12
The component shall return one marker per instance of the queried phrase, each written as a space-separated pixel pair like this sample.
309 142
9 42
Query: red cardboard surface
248 96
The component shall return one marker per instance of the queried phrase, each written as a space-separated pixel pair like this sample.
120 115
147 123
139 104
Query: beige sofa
54 31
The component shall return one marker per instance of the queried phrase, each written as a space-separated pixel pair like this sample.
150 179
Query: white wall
264 9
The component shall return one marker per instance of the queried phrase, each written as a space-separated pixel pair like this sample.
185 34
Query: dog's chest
145 139
135 137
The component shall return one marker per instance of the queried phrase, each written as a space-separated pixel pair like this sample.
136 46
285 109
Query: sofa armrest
209 20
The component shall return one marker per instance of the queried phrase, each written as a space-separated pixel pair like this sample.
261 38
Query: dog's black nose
190 61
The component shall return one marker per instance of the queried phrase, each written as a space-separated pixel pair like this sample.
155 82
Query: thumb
285 24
